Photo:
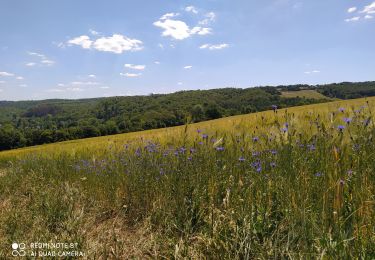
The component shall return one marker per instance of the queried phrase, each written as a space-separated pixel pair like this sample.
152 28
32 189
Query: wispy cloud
353 19
312 72
352 9
6 74
214 46
188 67
135 67
116 43
369 9
42 60
191 9
208 18
131 75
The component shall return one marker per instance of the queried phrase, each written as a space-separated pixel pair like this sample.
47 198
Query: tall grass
297 184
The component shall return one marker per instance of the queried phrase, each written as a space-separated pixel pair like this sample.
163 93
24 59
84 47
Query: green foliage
47 121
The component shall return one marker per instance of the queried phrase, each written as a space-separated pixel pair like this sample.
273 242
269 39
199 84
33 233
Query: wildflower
341 109
311 147
340 127
342 182
255 153
255 139
350 172
190 158
192 150
347 120
274 107
318 174
284 129
183 150
199 131
259 169
200 143
219 148
274 152
204 136
241 159
273 164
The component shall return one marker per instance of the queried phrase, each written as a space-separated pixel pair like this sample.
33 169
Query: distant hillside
26 123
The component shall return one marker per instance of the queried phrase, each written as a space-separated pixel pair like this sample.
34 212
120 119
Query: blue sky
82 49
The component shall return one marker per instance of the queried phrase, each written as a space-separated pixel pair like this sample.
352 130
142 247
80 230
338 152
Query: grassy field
308 93
292 183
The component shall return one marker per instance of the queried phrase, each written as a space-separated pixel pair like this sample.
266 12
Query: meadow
293 183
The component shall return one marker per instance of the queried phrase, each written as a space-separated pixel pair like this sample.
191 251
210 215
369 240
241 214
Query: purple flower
190 158
259 169
241 159
284 129
318 174
340 127
199 131
274 107
204 136
274 152
219 148
273 164
350 172
341 109
347 120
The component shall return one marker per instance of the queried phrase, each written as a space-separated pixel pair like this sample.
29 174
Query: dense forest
26 123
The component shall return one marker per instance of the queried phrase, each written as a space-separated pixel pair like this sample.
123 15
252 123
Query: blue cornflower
241 159
341 127
219 148
347 120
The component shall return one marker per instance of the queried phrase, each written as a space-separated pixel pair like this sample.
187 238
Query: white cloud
92 76
191 9
214 46
367 16
209 17
179 83
131 75
104 87
312 72
84 83
188 67
19 78
169 15
42 56
117 43
77 89
179 30
48 62
352 9
157 62
43 60
201 31
93 32
23 85
6 74
60 85
135 67
353 19
83 41
369 9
